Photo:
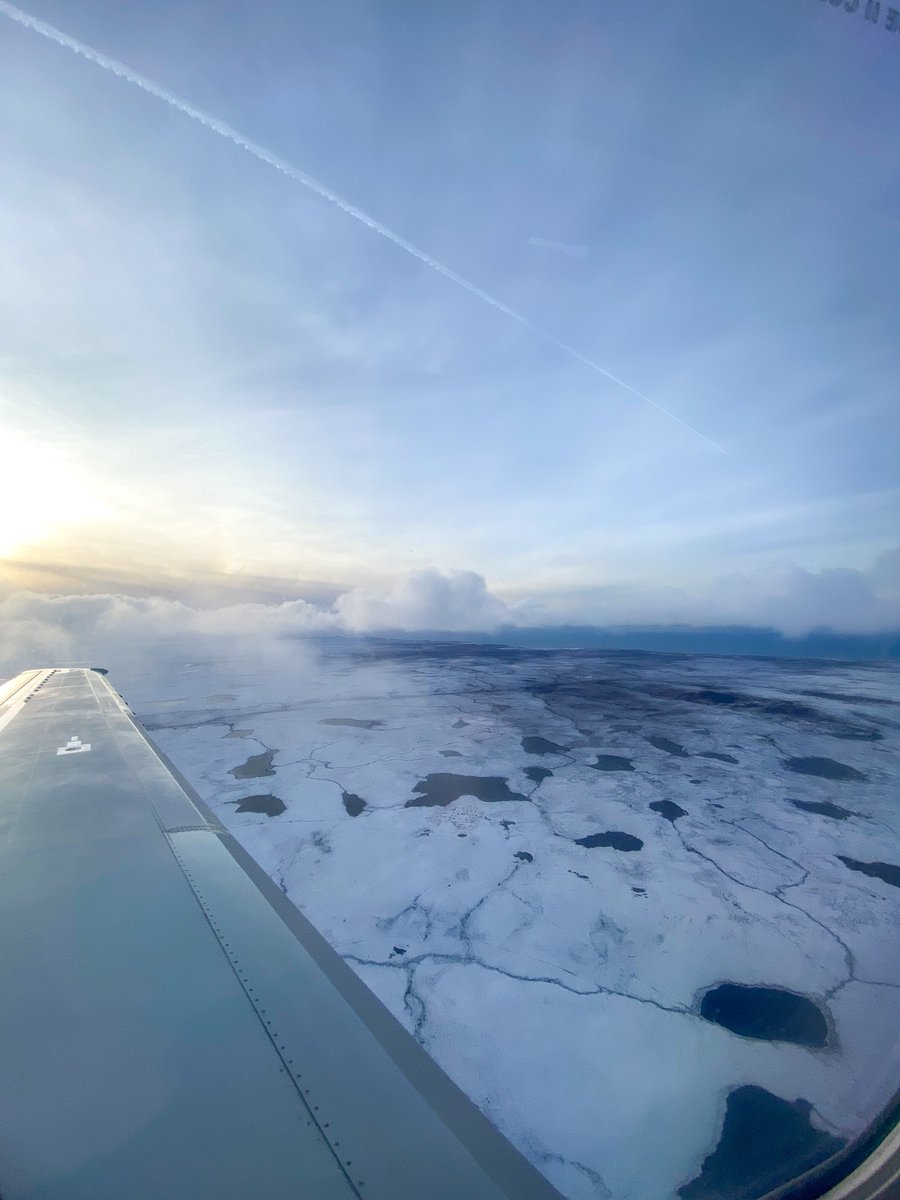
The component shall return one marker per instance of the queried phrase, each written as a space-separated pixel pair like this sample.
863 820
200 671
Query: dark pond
768 1014
612 762
614 839
440 789
668 809
538 774
460 724
524 856
824 809
714 754
352 803
639 891
239 733
825 768
268 804
450 754
764 1142
662 743
255 767
352 722
886 872
539 745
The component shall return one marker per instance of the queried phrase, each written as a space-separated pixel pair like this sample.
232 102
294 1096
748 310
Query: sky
590 312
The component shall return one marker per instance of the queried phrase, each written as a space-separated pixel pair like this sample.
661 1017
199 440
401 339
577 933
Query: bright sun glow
40 493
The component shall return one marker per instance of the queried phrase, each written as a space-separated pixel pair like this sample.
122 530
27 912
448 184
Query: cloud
885 573
113 628
106 629
796 601
790 599
425 600
110 629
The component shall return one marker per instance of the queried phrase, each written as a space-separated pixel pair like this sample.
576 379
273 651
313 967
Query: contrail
232 135
573 251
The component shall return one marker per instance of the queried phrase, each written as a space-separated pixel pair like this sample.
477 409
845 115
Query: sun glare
41 493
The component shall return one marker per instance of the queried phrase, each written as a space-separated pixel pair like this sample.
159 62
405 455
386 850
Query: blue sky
217 375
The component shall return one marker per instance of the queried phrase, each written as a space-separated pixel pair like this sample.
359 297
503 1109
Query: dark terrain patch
613 839
538 774
673 748
764 1142
460 724
440 789
268 804
824 809
856 733
710 696
351 722
506 824
769 706
450 754
612 762
256 766
767 1014
539 745
715 754
886 872
823 768
668 809
352 803
524 856
851 697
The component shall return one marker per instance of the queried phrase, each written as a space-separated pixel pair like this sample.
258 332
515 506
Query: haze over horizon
217 388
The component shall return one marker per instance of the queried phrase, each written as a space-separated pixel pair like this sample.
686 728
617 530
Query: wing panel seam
280 1048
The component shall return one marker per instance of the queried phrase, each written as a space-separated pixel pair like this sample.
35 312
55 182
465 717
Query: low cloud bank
50 628
792 600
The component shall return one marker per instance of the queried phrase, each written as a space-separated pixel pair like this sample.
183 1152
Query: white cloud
796 601
112 628
104 628
425 600
885 573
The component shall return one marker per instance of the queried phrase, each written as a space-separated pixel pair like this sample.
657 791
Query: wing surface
170 1025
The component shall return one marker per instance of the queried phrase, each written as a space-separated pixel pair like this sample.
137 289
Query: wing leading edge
169 1023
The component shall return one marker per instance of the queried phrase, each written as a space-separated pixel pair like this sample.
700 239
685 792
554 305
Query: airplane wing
170 1025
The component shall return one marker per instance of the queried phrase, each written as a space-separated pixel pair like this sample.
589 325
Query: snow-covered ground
561 984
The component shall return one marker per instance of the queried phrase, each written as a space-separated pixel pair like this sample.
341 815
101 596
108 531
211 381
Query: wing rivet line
279 1046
